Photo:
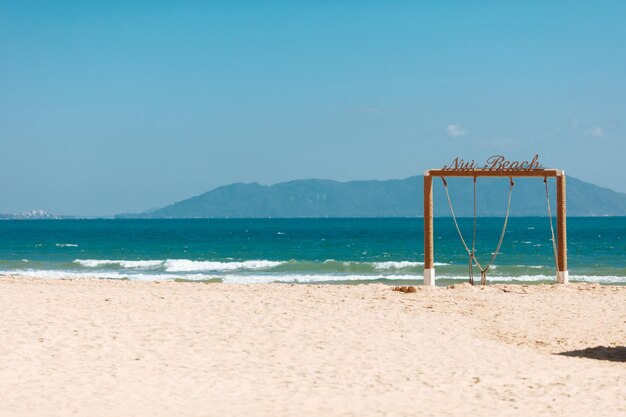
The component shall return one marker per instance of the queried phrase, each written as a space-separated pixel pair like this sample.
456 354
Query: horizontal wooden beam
495 173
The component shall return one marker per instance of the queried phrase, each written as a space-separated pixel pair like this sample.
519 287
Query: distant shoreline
295 218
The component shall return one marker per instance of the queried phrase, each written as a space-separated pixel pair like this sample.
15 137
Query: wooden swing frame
561 211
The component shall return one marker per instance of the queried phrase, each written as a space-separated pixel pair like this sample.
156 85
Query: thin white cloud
456 130
595 132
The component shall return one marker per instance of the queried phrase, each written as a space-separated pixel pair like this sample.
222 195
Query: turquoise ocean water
304 250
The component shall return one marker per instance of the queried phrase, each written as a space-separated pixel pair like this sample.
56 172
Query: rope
556 260
483 278
445 186
472 252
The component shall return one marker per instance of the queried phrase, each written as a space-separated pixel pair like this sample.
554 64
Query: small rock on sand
406 289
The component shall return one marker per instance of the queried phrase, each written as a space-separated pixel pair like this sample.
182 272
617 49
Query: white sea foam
295 278
68 245
306 278
180 265
303 278
60 274
344 263
184 265
396 264
402 264
96 263
606 279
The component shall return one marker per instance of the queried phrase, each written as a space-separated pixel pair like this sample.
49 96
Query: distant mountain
392 198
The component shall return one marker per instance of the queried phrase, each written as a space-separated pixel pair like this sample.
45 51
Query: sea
322 251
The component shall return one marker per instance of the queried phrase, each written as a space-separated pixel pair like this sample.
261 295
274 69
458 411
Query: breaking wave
184 265
402 265
96 263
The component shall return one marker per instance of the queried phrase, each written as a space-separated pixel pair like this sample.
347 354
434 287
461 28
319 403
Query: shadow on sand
613 354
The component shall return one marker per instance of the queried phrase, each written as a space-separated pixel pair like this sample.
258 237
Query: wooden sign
494 163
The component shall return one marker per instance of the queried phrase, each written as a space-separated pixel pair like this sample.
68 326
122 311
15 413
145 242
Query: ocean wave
64 245
184 265
179 265
396 265
402 264
281 267
290 278
97 263
601 279
305 278
61 274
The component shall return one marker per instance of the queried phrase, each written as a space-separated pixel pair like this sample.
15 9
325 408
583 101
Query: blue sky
109 107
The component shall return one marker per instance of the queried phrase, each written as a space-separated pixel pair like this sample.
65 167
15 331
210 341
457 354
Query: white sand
117 348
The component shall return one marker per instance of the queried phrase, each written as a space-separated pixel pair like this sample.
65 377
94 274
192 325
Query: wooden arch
497 166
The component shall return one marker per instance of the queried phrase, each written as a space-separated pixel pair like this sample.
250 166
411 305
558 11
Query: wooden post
561 216
429 270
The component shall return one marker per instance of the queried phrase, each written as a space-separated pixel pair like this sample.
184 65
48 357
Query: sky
114 107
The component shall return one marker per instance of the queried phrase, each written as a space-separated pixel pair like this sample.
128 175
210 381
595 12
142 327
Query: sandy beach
119 348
